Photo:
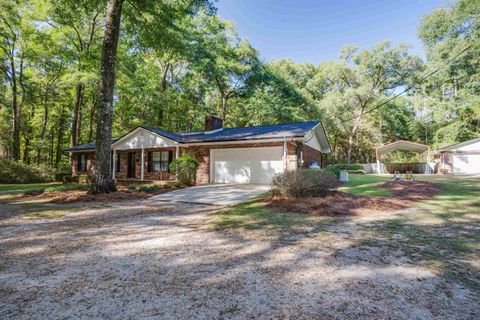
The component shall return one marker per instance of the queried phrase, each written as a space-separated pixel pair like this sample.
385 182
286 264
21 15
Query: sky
314 31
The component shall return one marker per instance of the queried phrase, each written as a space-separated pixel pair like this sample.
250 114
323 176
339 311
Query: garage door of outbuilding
245 165
466 164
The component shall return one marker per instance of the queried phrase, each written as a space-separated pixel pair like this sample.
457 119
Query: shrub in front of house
132 186
185 168
148 188
304 183
69 179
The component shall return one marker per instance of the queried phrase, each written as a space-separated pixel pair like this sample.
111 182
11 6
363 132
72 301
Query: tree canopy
178 61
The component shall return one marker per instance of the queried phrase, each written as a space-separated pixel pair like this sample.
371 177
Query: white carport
403 145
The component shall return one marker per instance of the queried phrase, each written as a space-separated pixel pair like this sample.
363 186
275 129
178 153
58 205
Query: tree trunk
76 115
224 107
16 114
92 121
102 174
26 150
52 142
352 135
61 125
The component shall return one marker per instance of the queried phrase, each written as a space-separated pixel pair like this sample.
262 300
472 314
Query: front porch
141 156
144 165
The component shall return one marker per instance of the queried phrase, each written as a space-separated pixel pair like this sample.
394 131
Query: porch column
177 154
114 163
142 164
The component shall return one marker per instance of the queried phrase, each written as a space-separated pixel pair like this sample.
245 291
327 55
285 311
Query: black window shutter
118 163
79 162
170 158
149 161
111 161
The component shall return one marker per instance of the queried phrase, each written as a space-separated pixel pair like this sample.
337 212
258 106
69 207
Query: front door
131 165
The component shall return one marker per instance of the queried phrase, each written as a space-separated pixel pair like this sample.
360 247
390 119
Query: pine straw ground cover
73 195
403 194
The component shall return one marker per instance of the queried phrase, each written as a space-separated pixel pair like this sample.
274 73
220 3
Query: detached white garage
461 159
245 165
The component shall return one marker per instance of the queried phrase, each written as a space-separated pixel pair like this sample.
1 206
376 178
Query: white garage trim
245 165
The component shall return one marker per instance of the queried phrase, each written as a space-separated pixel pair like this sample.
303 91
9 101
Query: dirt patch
71 196
404 194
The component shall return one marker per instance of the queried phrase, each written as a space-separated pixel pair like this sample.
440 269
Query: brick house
226 155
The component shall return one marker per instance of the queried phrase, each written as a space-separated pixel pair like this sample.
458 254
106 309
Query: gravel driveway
142 259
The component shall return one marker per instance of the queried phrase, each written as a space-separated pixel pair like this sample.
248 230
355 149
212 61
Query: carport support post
378 162
143 164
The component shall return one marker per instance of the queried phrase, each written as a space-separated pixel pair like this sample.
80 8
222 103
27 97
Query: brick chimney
212 122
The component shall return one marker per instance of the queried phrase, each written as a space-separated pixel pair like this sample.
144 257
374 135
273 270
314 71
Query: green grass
440 233
443 231
67 187
9 190
254 214
366 185
21 188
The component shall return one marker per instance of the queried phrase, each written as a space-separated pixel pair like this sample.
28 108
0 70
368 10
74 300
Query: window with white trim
159 161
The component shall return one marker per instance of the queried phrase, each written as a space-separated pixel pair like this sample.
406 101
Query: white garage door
245 165
466 163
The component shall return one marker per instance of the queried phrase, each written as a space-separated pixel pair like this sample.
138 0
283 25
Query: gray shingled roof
86 146
275 131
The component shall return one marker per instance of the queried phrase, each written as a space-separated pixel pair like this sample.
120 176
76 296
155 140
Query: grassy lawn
442 233
367 185
21 188
8 190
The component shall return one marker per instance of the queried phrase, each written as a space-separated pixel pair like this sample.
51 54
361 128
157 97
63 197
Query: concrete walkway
215 194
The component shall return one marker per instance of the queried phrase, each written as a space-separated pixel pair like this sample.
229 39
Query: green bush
133 186
148 188
18 172
304 183
63 176
69 179
185 168
347 167
333 170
